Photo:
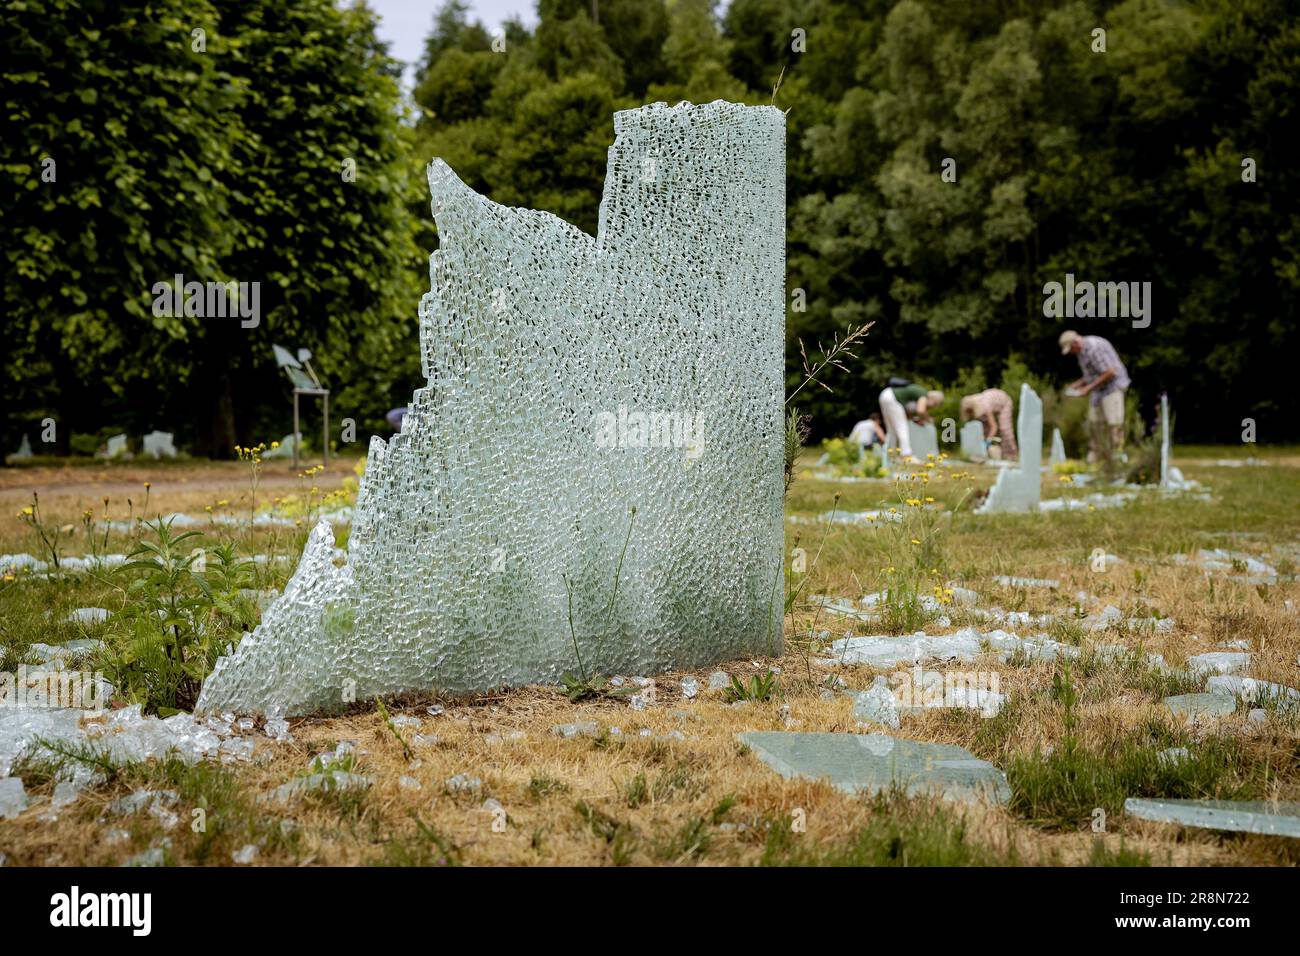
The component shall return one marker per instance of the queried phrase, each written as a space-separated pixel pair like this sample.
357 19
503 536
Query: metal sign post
305 382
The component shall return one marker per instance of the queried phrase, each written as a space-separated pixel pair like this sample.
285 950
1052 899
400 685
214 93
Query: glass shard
591 479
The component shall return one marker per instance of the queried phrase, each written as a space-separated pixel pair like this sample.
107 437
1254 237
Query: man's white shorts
1110 408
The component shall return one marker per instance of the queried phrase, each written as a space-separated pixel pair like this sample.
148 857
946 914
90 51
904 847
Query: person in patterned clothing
992 409
1105 381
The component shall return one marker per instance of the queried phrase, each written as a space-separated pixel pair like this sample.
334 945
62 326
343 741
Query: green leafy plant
392 729
1143 466
578 688
761 687
173 642
636 791
846 458
227 574
543 785
167 582
796 433
911 544
49 535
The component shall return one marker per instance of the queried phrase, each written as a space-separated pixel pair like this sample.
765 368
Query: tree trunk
223 419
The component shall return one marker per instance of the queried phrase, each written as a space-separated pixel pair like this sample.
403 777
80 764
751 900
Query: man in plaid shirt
1105 381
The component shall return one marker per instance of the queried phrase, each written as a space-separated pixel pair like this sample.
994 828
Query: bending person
992 408
869 432
1105 381
897 403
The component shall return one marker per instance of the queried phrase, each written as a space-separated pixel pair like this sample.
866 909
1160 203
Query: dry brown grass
182 486
658 800
541 778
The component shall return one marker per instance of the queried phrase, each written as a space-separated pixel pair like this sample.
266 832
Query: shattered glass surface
1019 487
570 380
121 736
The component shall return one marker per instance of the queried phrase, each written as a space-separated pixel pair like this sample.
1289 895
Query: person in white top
869 432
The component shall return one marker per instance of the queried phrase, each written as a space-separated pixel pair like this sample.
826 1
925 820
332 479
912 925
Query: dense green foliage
1115 166
219 158
1123 165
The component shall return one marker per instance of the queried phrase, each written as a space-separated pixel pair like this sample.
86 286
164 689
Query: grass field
486 781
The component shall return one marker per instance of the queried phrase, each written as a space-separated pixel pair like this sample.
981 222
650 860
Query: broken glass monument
591 479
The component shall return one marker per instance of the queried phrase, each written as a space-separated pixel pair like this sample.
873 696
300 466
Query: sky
404 24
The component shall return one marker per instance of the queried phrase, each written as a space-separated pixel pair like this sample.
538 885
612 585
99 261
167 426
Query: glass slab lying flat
871 763
1240 816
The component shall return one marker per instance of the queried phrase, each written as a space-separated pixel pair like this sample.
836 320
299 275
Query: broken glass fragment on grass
872 763
1240 816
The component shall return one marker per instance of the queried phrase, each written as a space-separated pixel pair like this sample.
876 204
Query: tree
318 180
114 128
945 161
218 155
